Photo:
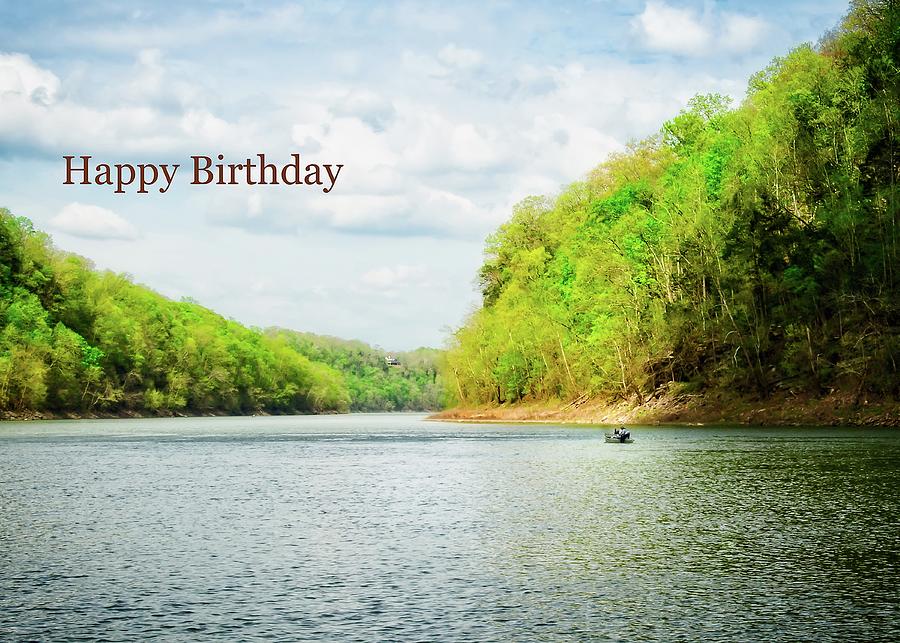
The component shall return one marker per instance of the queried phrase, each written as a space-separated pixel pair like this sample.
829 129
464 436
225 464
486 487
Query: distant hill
373 384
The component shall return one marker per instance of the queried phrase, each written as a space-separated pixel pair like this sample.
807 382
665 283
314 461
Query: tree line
752 248
74 339
411 384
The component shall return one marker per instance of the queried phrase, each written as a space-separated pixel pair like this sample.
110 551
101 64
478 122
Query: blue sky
443 114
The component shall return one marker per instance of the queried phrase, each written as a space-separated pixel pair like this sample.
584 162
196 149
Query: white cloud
666 28
670 29
158 117
373 109
21 78
459 57
741 33
421 65
204 127
249 208
452 63
93 222
150 74
392 277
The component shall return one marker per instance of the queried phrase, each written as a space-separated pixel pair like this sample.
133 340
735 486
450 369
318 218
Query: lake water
388 527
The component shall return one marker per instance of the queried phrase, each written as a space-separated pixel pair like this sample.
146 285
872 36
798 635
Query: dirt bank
717 407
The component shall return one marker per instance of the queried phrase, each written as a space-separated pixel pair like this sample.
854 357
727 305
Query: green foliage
74 339
372 383
753 248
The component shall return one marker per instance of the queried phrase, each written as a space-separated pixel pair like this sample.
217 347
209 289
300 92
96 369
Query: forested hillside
752 249
76 340
411 384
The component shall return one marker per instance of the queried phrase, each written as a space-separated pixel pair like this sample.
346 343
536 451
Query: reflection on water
387 527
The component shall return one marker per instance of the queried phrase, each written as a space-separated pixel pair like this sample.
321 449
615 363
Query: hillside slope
750 250
76 341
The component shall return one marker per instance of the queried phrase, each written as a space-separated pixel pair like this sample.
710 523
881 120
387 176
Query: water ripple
385 527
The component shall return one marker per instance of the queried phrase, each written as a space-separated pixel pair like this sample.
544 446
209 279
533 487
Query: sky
444 116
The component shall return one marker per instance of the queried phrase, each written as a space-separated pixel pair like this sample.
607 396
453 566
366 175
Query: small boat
620 436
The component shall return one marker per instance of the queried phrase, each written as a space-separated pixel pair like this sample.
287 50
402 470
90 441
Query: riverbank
716 407
29 415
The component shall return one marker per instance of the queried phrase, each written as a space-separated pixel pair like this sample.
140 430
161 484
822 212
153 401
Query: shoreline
714 407
37 416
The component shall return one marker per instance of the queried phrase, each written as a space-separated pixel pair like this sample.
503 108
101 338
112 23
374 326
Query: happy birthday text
142 177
